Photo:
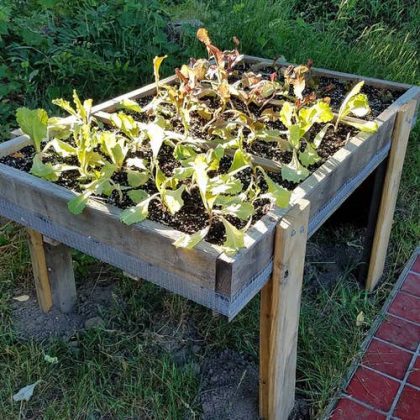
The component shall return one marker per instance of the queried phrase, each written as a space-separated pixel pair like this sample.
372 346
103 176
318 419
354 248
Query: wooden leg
389 193
40 270
374 202
61 274
279 315
53 273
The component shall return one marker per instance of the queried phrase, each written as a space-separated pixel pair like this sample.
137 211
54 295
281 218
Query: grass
123 371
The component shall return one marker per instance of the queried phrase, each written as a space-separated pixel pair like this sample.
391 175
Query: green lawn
103 48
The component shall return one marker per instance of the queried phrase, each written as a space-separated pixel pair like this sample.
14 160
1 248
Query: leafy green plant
207 119
356 103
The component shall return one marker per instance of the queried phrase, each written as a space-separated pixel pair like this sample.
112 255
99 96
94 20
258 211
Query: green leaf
295 134
130 105
183 173
276 193
57 129
200 175
136 178
156 136
184 152
286 113
219 151
319 113
62 148
294 171
353 101
241 160
44 170
107 188
82 110
227 200
172 199
62 103
273 136
137 196
225 184
190 241
309 156
136 214
77 204
137 163
241 210
34 123
126 124
367 127
354 91
358 105
235 238
157 61
118 153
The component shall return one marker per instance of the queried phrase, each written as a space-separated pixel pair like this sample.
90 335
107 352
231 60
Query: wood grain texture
389 194
61 276
148 241
40 270
279 315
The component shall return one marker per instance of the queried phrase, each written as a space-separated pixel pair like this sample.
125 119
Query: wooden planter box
203 275
275 245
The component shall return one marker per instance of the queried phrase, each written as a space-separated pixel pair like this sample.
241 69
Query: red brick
399 332
414 377
373 388
408 406
349 410
387 359
416 265
412 284
406 306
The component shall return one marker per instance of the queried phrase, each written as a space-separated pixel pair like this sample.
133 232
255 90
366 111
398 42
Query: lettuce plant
212 115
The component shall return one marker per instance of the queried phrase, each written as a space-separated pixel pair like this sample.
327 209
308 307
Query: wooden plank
389 195
148 241
279 315
372 81
61 276
112 104
40 270
14 145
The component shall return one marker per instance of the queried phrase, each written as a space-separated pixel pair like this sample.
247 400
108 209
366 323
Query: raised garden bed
203 274
274 245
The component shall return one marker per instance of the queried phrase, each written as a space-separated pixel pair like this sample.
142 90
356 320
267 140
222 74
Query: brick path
385 384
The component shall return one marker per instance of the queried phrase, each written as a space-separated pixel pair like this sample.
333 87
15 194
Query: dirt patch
229 388
31 323
327 262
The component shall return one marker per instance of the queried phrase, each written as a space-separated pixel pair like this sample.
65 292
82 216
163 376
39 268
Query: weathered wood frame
275 247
